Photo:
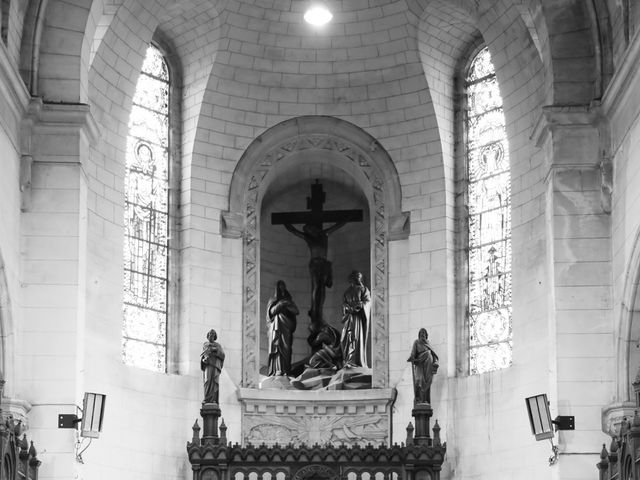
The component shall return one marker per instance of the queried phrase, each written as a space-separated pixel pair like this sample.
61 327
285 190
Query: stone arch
576 39
375 174
60 52
629 326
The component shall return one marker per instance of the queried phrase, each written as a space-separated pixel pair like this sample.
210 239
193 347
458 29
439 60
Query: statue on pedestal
356 310
424 363
281 323
211 361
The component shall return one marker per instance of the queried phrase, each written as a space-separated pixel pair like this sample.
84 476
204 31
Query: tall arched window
488 196
147 219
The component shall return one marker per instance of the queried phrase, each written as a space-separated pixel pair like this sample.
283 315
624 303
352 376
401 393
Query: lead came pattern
146 249
489 204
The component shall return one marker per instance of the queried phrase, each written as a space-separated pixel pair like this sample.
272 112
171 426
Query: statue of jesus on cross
317 239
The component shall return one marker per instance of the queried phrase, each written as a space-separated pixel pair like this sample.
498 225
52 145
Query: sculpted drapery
356 312
281 323
211 361
424 363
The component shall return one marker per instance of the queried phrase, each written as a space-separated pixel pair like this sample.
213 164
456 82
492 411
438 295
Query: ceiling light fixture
318 15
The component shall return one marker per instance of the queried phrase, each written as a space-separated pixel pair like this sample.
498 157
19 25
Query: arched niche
349 246
345 147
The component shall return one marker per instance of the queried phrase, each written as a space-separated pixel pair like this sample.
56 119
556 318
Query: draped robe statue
356 311
211 361
424 363
281 323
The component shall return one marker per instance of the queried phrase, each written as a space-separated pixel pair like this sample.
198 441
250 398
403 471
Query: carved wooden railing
212 458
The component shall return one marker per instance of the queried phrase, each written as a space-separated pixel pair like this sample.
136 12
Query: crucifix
317 239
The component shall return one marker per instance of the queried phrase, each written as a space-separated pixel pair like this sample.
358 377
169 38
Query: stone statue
356 310
211 361
326 347
281 323
317 240
424 363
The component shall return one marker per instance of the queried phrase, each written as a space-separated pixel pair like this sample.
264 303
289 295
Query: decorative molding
400 226
316 471
359 159
231 224
606 184
553 117
356 417
614 414
17 409
54 118
26 163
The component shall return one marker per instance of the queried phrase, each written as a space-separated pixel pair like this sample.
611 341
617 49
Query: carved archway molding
359 155
624 405
316 471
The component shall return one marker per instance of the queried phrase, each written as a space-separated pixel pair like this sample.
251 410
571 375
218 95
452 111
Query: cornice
562 116
52 118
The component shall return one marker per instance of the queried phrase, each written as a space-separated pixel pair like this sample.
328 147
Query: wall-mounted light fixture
541 424
92 414
90 423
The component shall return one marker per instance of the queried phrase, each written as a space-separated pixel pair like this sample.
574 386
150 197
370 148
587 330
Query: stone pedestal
422 413
210 413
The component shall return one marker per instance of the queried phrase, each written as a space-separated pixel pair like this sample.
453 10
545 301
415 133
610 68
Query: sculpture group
338 359
331 350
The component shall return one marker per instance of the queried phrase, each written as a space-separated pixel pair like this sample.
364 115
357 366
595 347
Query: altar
338 417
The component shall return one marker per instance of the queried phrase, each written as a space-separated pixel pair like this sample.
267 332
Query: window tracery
488 219
147 221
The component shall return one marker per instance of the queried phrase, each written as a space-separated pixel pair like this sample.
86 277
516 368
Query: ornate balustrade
212 458
622 460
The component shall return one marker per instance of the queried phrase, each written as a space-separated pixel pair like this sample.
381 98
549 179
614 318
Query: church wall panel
9 258
620 103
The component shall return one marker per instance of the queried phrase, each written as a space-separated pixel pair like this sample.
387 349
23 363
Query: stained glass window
489 220
146 247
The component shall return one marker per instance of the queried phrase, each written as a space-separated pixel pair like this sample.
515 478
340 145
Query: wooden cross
316 215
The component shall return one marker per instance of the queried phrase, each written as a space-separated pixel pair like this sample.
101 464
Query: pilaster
55 139
578 183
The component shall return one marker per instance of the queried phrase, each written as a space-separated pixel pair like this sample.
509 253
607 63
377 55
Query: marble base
350 417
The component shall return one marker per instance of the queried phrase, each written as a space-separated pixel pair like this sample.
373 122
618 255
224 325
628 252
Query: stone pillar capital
555 118
57 118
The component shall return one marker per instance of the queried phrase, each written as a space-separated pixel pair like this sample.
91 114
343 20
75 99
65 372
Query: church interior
317 194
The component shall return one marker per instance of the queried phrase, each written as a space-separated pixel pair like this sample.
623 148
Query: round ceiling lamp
318 15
